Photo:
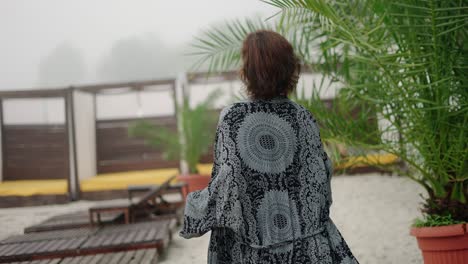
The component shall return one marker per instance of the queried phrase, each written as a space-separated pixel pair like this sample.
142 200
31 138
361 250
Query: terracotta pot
194 182
443 244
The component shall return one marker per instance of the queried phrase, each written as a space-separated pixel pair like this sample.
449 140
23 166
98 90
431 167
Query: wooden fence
35 152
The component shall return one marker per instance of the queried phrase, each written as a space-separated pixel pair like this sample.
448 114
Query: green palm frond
403 61
199 128
219 46
407 59
158 137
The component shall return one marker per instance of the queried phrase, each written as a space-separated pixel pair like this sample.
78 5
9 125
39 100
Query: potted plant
190 143
405 62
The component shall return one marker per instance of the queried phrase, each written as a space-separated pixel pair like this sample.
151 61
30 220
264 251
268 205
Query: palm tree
404 60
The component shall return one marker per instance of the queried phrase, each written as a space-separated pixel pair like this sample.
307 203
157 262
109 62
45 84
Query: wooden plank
26 248
164 84
5 248
206 77
78 232
35 152
36 246
33 200
44 246
44 261
49 246
64 244
127 257
18 247
106 258
129 237
85 259
56 245
116 257
95 259
150 235
120 238
71 260
77 260
150 257
109 239
95 241
77 242
138 256
36 93
140 235
68 221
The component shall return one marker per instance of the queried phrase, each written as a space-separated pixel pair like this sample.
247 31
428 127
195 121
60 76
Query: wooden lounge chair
69 221
146 205
141 256
164 210
87 241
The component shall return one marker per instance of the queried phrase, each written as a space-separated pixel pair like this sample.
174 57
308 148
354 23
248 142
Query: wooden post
95 106
179 97
73 182
1 141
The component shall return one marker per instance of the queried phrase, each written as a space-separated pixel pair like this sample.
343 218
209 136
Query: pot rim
440 231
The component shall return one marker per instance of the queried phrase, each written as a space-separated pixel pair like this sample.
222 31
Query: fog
50 43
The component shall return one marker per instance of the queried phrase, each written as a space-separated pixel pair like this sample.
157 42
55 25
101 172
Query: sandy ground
373 212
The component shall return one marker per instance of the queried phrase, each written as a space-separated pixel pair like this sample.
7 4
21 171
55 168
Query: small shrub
435 220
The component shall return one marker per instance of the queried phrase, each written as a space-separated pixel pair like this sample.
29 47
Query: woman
269 196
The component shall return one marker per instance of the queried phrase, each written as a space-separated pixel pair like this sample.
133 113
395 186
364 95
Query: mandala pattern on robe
266 142
278 218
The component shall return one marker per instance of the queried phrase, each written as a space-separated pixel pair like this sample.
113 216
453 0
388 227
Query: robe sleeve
200 207
323 154
329 168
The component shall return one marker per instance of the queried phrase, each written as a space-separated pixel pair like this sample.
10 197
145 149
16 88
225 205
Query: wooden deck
68 221
142 256
87 241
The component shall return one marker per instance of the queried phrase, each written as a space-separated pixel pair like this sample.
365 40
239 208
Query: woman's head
270 67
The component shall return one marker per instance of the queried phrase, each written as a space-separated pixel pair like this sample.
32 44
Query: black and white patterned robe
269 196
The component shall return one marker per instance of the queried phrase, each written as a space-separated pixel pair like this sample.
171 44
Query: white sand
373 212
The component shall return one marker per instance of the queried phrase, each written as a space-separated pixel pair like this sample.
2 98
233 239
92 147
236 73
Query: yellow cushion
33 187
368 160
121 180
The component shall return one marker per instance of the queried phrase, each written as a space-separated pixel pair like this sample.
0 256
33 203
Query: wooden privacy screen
117 152
35 152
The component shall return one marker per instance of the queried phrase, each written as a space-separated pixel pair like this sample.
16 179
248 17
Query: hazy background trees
64 65
140 58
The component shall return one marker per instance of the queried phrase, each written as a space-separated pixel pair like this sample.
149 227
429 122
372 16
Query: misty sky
95 37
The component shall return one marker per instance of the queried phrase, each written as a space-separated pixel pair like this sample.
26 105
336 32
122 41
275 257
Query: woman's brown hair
270 67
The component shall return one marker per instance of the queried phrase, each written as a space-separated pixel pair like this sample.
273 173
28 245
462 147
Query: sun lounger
142 256
179 188
69 221
87 241
163 210
143 206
